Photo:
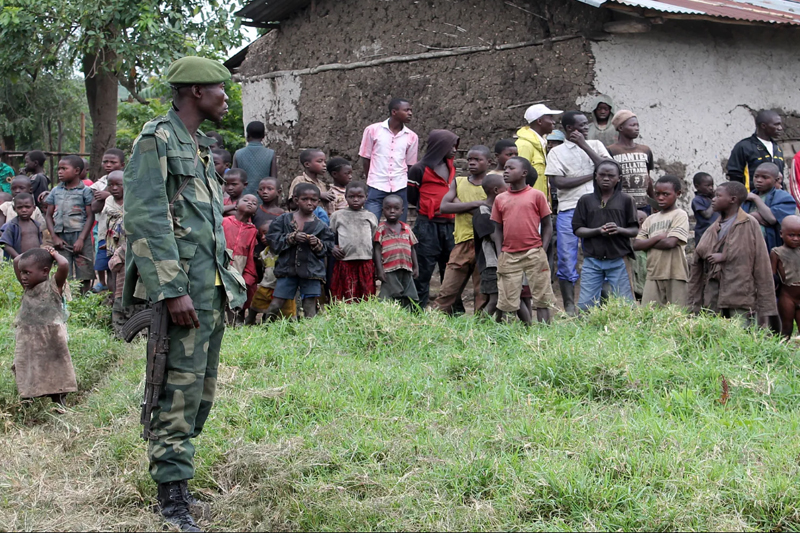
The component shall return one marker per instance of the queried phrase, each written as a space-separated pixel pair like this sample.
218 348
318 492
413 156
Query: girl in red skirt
354 271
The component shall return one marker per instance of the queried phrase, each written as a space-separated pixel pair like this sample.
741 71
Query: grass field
371 418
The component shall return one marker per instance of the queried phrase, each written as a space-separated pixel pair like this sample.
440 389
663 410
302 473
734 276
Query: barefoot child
235 184
354 272
395 255
42 364
518 214
302 241
464 197
786 269
22 233
731 272
240 238
663 236
70 220
116 244
485 252
341 172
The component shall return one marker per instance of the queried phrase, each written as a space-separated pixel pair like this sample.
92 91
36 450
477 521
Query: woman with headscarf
428 182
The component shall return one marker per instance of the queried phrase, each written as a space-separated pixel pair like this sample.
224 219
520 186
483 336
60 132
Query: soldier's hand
181 311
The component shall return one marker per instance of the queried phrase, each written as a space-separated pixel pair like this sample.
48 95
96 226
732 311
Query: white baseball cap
537 111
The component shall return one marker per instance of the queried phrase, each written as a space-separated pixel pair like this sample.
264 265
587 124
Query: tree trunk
102 97
9 143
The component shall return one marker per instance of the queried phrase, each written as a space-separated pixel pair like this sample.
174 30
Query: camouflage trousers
187 396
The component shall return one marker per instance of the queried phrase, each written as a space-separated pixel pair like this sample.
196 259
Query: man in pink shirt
388 149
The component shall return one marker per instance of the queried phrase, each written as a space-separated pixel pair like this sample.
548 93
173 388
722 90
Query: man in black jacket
756 149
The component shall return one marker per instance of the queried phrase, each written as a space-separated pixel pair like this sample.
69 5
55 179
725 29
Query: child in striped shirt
394 254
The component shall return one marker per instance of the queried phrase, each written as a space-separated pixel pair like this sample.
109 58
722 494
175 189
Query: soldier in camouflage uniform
180 258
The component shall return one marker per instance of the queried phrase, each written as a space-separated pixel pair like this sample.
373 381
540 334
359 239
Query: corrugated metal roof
769 11
265 12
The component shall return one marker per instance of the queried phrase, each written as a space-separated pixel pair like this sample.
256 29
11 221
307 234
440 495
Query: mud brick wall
480 96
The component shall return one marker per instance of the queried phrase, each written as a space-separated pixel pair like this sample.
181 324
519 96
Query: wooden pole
83 133
60 135
406 58
50 144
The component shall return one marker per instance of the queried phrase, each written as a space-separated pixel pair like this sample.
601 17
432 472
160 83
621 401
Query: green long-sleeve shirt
172 256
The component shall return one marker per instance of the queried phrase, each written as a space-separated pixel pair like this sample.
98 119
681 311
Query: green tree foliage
113 42
31 109
133 115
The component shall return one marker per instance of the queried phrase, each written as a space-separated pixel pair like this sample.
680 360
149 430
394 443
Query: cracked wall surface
697 86
481 97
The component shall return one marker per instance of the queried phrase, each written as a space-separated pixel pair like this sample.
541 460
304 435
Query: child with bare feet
353 276
42 364
395 255
485 251
730 270
786 269
518 214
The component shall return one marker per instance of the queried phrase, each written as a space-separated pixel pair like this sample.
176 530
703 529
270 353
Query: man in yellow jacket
532 142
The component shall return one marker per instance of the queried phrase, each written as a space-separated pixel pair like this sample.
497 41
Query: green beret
191 70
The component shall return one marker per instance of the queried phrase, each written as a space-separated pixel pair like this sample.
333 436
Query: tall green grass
372 418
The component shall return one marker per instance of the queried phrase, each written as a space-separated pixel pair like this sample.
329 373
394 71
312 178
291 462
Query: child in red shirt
240 237
517 215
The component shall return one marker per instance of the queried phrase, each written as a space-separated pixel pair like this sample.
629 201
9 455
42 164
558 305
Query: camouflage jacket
173 254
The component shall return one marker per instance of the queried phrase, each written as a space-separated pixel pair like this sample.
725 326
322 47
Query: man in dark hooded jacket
428 182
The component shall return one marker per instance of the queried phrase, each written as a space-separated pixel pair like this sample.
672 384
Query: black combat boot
173 498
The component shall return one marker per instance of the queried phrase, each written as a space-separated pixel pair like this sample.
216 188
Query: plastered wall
696 87
481 97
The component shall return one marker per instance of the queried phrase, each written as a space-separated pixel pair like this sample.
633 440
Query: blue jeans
595 273
375 202
286 288
567 246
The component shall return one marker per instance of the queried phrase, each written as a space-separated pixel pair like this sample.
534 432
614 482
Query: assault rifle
157 351
157 321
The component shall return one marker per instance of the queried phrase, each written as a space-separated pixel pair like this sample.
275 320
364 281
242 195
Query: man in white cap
532 142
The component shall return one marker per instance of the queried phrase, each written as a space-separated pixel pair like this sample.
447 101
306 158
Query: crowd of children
494 225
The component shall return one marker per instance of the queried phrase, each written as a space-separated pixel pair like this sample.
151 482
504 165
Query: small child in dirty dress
42 364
